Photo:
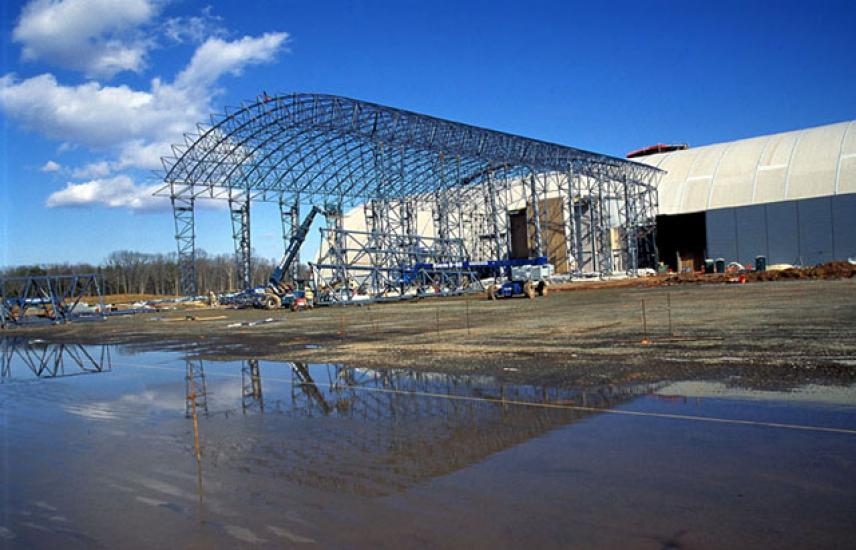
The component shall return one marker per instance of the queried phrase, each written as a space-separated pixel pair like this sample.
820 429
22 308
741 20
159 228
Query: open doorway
519 234
682 240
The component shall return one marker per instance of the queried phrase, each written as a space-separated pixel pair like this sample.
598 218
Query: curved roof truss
330 146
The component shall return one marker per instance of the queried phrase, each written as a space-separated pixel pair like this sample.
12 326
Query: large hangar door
682 237
519 234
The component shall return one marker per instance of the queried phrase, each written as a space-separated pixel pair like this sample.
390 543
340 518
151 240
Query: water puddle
98 446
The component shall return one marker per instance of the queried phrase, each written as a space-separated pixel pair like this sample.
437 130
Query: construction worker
309 296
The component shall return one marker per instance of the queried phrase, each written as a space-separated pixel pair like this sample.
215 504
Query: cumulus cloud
99 116
97 169
94 115
119 191
217 57
133 127
194 29
51 166
97 37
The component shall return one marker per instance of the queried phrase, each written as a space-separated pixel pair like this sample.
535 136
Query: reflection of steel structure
309 148
251 386
46 360
399 427
195 390
47 297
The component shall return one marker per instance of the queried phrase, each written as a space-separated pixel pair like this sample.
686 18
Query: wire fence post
669 310
437 311
468 315
644 324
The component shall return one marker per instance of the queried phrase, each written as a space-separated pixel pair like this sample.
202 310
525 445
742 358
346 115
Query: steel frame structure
311 149
375 263
56 296
49 360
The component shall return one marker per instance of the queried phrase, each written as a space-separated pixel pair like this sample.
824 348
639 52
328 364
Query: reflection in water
50 360
290 451
251 384
381 431
196 392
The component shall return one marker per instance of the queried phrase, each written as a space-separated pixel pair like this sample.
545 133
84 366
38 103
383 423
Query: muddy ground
764 334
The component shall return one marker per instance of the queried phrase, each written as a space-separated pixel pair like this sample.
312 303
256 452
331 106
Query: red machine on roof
658 148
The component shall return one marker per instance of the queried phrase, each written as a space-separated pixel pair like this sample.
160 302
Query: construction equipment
277 291
528 278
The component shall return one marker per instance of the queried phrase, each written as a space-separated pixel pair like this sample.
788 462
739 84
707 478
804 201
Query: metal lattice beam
327 149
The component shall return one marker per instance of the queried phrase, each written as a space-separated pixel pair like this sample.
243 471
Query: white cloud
217 57
132 127
97 169
96 37
194 29
51 166
98 116
117 192
142 154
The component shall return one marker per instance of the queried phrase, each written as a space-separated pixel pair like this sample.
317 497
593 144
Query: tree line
129 272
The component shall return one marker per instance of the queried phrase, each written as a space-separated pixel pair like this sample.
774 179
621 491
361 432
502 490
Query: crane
276 288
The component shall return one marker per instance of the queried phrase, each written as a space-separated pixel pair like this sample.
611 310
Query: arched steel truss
310 148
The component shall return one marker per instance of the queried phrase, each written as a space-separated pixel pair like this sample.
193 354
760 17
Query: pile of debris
830 270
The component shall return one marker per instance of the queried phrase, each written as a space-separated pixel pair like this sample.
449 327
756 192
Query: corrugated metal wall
805 232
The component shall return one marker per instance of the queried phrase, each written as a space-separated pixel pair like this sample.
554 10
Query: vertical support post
295 227
603 229
185 238
593 231
336 243
566 198
577 208
631 229
239 208
289 216
500 252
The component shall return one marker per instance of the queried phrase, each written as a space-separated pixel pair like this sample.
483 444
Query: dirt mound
830 270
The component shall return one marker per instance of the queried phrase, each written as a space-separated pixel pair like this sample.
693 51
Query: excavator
277 288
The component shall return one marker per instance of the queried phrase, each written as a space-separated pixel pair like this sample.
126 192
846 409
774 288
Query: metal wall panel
721 234
751 233
815 230
844 226
782 234
807 232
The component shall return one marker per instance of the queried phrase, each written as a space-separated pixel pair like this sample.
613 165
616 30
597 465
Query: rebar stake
669 310
437 310
192 398
468 315
645 340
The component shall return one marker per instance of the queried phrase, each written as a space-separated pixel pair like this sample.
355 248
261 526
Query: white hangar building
790 197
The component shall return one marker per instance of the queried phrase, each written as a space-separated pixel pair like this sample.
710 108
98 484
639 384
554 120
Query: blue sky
92 91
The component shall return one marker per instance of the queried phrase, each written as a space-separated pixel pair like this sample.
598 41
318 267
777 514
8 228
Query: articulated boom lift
277 289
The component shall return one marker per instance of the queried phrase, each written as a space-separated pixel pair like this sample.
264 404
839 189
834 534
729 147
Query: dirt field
766 334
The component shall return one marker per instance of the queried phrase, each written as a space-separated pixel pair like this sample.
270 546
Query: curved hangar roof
315 144
815 162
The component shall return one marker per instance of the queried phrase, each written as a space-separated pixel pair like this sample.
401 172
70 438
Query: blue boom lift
525 276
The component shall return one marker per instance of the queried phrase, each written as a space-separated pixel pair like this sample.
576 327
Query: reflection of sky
470 464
